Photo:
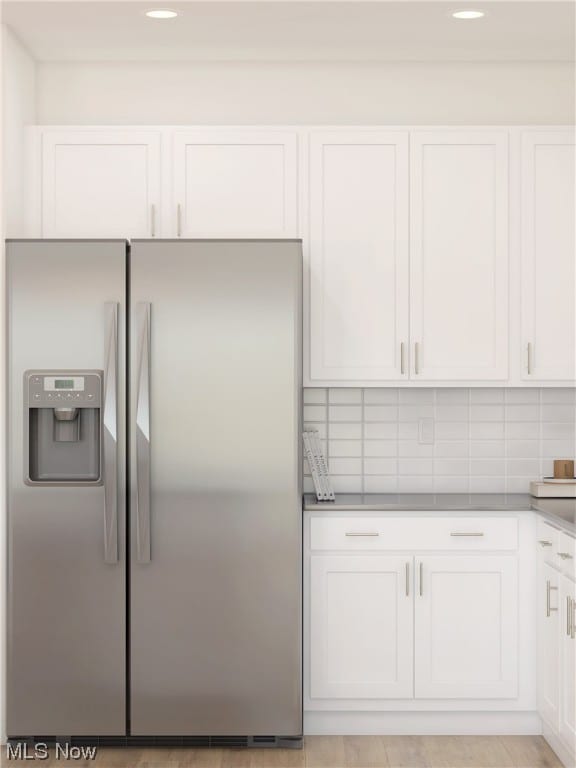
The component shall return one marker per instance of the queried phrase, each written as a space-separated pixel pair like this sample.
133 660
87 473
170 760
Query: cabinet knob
565 555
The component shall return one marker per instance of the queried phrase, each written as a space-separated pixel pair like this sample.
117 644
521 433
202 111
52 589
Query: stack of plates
554 487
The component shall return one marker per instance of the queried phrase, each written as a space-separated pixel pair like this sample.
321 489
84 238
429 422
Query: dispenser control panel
51 389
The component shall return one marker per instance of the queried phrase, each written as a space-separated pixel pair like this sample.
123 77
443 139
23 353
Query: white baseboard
422 723
562 751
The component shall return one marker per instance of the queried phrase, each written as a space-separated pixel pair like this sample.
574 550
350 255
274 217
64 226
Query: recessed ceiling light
468 14
161 13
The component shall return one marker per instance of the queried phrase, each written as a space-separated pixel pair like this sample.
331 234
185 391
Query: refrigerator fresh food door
66 552
215 488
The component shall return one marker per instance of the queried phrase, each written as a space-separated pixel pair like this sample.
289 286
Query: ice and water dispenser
62 426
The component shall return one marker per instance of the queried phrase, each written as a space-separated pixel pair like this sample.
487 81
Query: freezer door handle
110 435
143 437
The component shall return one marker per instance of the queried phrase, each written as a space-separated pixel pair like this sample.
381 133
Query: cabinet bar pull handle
564 555
466 533
407 579
179 220
361 533
402 361
545 543
529 358
153 221
549 589
569 617
421 578
416 358
573 632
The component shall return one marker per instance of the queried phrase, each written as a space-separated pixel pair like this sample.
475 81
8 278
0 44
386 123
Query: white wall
305 92
19 110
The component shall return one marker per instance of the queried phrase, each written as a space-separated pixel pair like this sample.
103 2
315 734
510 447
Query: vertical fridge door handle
110 435
143 437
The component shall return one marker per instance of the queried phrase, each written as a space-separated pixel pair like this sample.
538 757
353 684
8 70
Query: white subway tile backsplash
344 396
490 430
414 449
523 430
345 413
449 396
380 467
314 413
484 413
452 430
522 449
558 412
345 431
381 431
380 448
451 449
522 396
380 484
380 396
481 449
485 440
452 412
526 467
345 466
559 395
415 412
451 466
380 413
415 466
522 413
314 396
487 467
486 395
346 448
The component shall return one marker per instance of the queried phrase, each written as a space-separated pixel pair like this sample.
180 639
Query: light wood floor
338 752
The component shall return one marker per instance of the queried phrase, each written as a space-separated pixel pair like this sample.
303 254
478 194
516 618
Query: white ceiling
316 31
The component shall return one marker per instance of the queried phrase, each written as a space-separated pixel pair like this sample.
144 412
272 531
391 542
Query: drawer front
565 554
354 533
547 543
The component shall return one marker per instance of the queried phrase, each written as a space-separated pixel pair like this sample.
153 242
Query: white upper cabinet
361 627
459 255
548 256
466 627
358 256
100 183
235 183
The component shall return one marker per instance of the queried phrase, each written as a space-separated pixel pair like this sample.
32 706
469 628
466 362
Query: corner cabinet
459 255
358 256
100 183
548 256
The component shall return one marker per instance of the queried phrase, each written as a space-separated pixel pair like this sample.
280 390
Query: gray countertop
561 512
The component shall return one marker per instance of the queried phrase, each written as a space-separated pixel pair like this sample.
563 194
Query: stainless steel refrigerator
155 491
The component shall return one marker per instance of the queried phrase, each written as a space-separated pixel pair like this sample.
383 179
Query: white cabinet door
358 256
568 662
548 645
100 183
361 627
459 255
548 256
235 183
466 627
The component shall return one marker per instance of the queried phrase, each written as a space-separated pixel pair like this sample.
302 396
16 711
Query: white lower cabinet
433 628
362 627
556 626
466 627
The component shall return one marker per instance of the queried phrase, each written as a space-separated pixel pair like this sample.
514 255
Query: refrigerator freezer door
215 474
66 564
